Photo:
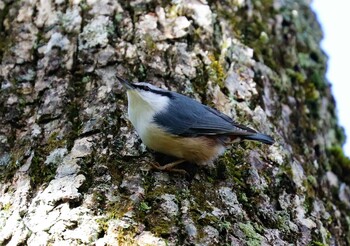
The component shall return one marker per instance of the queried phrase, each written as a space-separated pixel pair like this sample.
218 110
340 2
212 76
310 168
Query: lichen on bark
73 170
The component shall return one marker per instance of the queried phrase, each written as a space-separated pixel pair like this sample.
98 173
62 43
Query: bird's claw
170 167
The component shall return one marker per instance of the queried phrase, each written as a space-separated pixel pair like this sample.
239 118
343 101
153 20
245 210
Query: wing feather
187 117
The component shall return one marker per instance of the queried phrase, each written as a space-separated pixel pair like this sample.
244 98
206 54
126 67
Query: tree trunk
73 170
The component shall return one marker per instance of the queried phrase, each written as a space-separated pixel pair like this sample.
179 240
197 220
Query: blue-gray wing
187 117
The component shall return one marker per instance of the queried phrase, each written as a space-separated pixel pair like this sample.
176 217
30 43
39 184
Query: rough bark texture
73 171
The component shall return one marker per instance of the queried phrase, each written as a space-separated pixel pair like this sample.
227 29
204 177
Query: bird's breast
200 150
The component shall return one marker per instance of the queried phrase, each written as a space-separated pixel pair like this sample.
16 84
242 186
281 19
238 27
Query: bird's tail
260 137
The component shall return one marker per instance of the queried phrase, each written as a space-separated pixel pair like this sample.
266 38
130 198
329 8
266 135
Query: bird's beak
126 83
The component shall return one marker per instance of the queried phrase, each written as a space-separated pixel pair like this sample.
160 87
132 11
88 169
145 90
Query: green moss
264 38
9 169
158 191
39 172
150 43
86 79
159 224
301 66
144 207
53 143
6 40
118 17
72 109
253 238
98 198
103 223
114 211
216 71
305 61
224 225
282 220
200 209
73 116
6 207
141 70
296 76
243 198
233 162
154 217
199 83
311 93
314 243
340 135
149 210
5 43
339 162
84 6
312 180
125 235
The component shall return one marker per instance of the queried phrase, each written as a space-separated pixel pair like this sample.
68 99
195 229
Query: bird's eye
145 88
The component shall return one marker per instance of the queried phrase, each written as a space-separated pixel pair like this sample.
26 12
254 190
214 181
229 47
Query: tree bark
73 170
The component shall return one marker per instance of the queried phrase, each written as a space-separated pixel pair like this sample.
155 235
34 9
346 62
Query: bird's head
145 93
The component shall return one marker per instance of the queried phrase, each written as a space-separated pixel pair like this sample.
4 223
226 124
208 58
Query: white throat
142 107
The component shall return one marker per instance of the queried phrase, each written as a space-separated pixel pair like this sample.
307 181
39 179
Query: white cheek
157 102
141 110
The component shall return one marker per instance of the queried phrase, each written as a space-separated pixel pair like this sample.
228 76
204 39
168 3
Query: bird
179 126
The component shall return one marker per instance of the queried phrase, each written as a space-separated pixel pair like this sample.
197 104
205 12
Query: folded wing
189 118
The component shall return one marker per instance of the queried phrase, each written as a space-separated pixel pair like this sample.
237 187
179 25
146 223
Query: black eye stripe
159 92
143 87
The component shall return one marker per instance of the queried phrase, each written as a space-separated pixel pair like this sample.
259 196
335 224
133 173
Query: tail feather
260 137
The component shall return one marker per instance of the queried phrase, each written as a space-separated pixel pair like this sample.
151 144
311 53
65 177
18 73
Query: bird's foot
170 167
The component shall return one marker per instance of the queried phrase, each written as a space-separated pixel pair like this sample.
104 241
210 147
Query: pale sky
334 17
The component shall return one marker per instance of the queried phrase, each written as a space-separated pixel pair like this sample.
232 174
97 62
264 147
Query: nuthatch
176 125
